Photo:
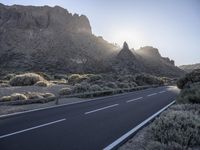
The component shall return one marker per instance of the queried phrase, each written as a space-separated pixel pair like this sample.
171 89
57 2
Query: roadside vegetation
74 84
178 128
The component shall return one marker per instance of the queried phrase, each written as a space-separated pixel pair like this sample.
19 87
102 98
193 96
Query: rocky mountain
50 39
190 68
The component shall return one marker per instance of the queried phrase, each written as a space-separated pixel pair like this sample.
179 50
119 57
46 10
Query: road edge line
135 129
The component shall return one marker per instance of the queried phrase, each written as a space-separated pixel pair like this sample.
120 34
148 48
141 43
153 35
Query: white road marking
152 94
32 128
125 136
89 112
132 100
162 92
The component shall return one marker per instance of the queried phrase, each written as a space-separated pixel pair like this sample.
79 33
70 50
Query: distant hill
190 68
50 39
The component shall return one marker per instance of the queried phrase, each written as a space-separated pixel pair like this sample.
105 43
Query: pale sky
172 26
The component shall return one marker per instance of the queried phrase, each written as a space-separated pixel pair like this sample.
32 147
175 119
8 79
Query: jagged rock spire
125 46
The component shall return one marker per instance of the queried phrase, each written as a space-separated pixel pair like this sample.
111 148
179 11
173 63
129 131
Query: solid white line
61 105
152 94
162 92
125 136
89 112
32 128
132 100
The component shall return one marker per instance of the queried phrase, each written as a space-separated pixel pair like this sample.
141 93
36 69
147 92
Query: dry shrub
25 79
14 97
37 95
65 91
42 83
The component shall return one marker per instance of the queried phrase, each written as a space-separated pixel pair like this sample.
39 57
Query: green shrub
81 88
111 85
93 77
74 78
65 91
146 79
95 87
190 94
174 130
123 85
25 79
189 78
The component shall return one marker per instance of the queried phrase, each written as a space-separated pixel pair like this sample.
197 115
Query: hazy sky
173 26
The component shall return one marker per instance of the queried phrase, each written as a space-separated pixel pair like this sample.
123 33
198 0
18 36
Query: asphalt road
91 125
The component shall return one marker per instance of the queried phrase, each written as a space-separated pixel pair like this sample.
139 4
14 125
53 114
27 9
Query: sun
133 37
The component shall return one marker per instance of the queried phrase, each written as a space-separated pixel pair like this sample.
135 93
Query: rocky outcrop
50 39
190 68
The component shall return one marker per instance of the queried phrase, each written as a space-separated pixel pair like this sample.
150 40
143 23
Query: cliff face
40 18
51 39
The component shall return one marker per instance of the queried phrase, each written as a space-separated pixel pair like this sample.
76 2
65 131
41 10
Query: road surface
91 125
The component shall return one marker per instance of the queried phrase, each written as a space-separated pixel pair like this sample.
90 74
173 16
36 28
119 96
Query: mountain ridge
51 39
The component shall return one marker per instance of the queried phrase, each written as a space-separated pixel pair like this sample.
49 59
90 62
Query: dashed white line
152 94
162 92
28 129
132 100
89 112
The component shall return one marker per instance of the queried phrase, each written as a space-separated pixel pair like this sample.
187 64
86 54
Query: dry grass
26 79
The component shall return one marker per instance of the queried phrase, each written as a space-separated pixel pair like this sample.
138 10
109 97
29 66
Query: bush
146 79
92 77
33 95
5 98
9 76
111 85
65 91
81 88
74 78
189 78
13 97
47 95
4 85
42 83
61 81
25 79
174 130
190 94
95 87
123 85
